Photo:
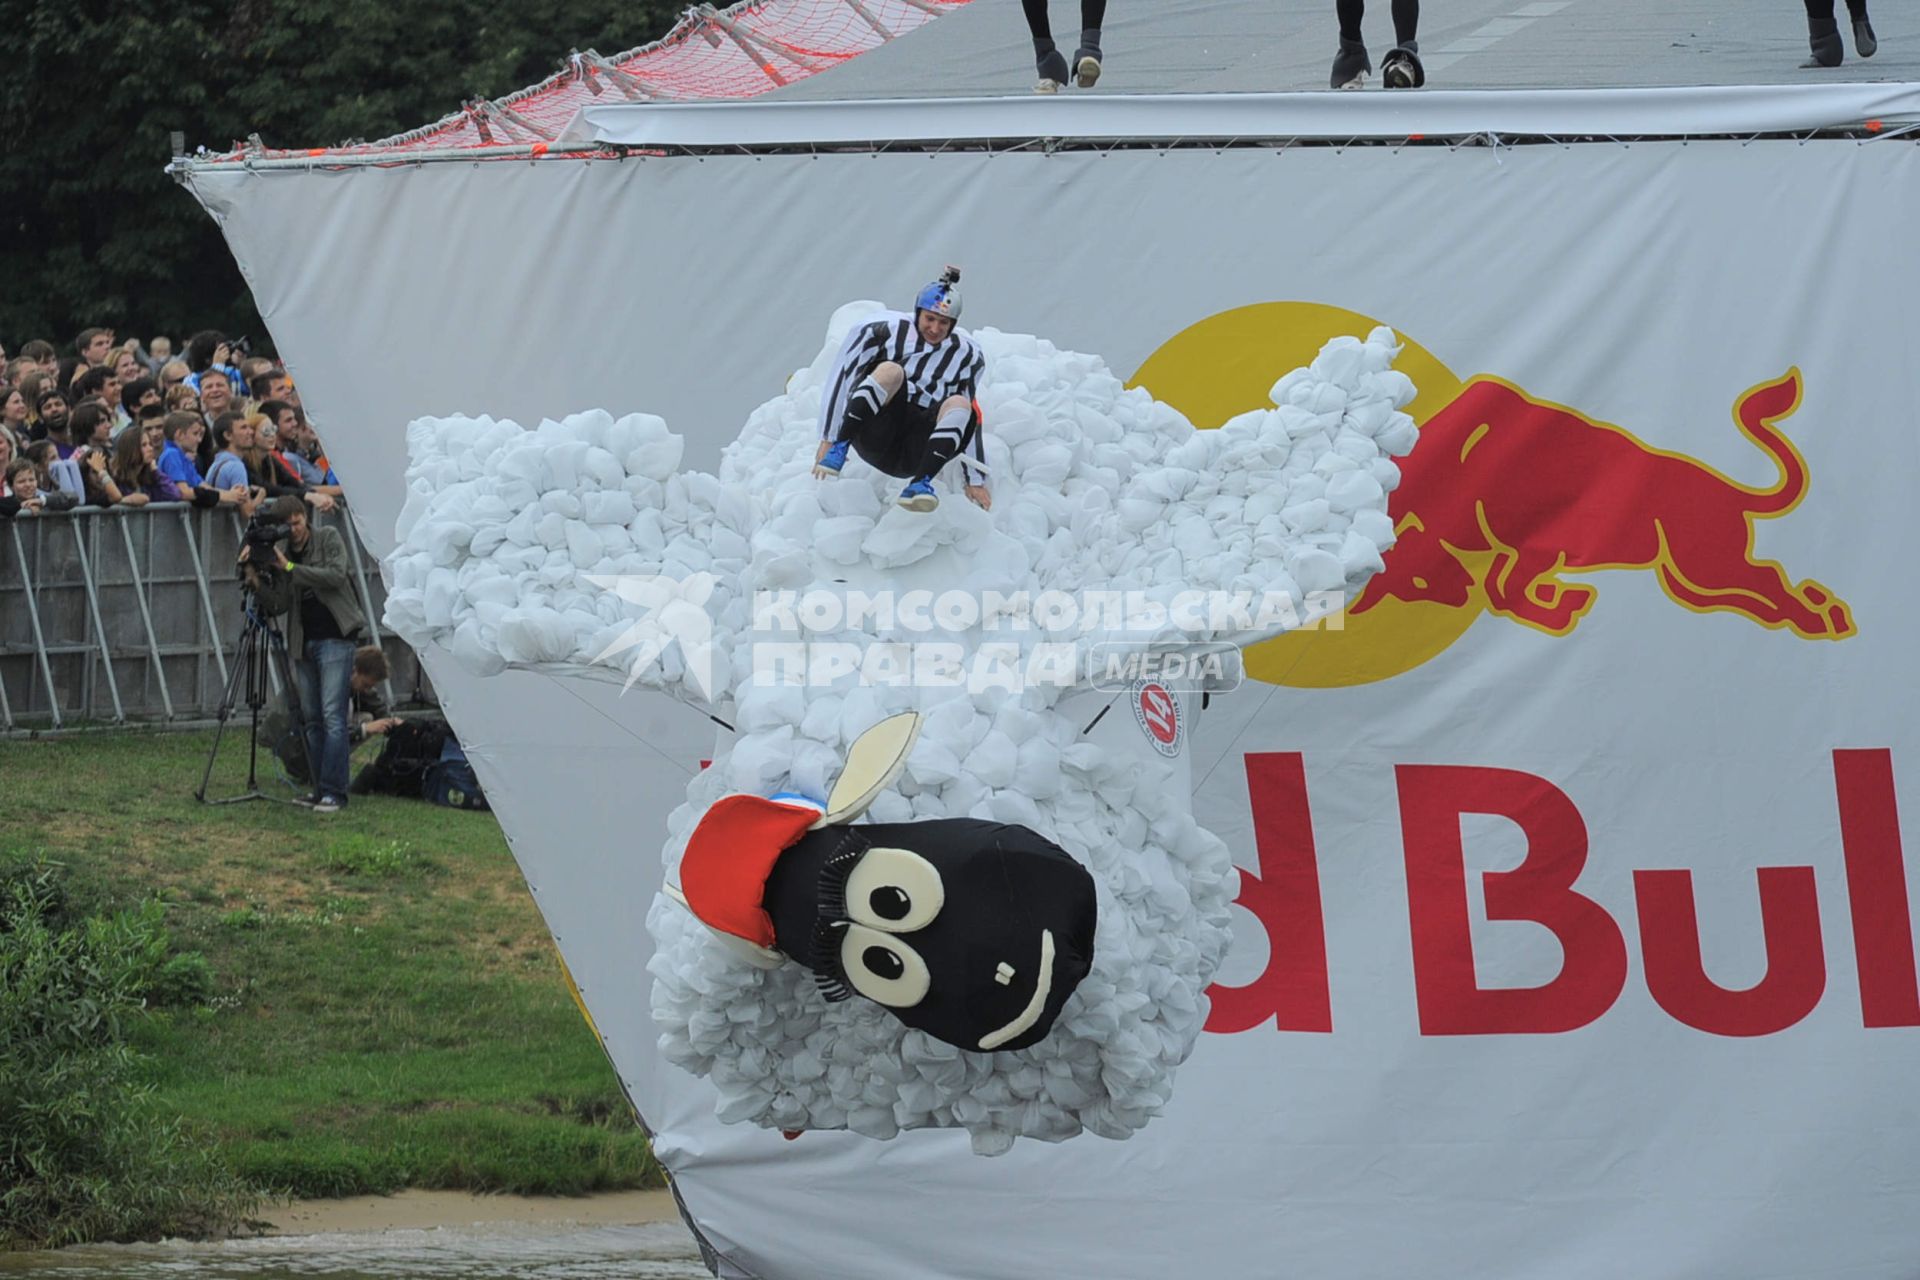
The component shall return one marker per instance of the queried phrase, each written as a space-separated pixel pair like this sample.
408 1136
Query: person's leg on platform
1350 13
1823 36
1401 68
1406 22
1865 43
1350 64
1087 59
1051 63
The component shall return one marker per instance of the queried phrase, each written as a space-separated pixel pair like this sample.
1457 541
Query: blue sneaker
833 459
919 496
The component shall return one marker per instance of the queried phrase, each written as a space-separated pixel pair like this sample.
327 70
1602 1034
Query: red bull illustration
1506 497
1595 498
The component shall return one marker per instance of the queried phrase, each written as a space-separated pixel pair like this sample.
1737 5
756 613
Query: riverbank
355 1004
417 1235
426 1210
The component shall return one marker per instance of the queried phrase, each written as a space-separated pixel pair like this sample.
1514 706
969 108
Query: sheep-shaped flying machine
785 606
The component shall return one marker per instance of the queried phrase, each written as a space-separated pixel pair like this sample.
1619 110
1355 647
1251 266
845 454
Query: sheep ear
873 761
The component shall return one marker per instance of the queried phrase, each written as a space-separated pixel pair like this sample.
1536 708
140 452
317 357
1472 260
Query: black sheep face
973 932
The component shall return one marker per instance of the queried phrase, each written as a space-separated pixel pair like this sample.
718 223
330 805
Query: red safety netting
738 52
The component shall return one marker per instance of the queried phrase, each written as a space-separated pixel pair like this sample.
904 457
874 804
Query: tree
93 232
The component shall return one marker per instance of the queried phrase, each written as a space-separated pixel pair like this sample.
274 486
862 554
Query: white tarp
1593 1130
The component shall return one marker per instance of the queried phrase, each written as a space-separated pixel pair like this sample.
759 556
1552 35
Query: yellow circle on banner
1226 365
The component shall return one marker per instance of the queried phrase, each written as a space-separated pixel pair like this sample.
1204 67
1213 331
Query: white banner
1691 110
1574 939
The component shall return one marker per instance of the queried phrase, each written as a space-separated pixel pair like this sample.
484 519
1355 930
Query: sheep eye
883 968
894 891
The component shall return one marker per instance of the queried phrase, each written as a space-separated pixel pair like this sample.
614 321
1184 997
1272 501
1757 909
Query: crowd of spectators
113 424
116 425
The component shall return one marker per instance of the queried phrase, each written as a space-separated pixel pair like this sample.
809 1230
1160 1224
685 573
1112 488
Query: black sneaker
1401 68
307 801
329 804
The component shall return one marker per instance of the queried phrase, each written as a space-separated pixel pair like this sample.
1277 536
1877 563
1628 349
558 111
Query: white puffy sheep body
510 535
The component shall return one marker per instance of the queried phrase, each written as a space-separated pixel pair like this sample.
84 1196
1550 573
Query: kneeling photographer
419 759
302 572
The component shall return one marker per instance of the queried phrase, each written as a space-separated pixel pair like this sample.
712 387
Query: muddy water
651 1251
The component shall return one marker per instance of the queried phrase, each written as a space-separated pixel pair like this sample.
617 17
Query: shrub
184 980
42 882
82 1155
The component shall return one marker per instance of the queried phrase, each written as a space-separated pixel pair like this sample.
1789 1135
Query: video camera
263 531
261 534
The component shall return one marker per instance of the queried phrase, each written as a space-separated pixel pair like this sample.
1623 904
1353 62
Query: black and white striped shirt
935 372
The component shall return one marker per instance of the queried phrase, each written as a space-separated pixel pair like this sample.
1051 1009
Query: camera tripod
260 653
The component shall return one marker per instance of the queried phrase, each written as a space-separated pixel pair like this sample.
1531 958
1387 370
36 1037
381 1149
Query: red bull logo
1511 505
1592 498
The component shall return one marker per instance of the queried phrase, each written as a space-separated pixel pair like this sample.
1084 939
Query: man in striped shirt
902 397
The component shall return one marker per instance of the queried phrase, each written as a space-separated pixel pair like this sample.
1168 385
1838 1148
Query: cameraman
307 579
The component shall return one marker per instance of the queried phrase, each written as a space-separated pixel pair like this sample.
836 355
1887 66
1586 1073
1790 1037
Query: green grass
385 1008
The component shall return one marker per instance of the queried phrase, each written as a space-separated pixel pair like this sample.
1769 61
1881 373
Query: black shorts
894 440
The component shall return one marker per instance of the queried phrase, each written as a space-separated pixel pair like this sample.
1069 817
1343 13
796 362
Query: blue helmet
942 297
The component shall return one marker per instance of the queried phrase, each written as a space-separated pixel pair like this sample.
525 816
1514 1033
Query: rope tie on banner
471 109
521 122
635 89
584 73
594 73
485 115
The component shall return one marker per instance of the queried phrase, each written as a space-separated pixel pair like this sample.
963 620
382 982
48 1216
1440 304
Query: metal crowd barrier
127 614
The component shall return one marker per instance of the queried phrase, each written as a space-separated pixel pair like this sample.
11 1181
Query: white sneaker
1047 86
1086 72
